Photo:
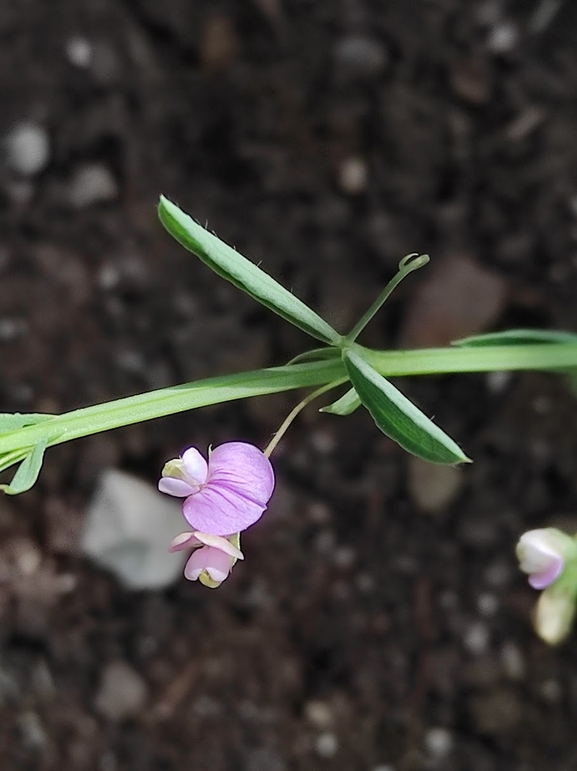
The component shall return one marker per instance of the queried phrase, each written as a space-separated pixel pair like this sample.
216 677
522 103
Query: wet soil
325 140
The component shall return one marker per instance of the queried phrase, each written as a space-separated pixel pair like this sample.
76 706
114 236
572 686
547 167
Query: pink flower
225 495
541 555
213 561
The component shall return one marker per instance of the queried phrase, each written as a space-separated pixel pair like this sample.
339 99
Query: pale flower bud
542 554
554 614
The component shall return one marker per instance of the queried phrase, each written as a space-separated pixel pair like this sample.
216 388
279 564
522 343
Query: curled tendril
413 261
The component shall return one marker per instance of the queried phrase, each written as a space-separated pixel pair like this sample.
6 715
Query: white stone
438 742
476 638
498 382
27 148
122 692
127 531
513 661
319 714
353 175
503 38
433 487
91 184
487 604
79 52
327 745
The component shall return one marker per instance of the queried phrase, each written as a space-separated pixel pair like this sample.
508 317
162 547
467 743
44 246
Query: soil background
373 625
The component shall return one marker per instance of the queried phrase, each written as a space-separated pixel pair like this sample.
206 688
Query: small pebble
33 734
476 638
265 759
361 56
108 762
92 184
513 661
27 149
327 745
79 52
503 38
551 691
499 574
319 714
438 742
433 487
353 175
487 604
122 692
219 44
458 297
497 382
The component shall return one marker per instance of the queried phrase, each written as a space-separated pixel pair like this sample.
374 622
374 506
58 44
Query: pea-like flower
225 495
541 555
549 557
212 559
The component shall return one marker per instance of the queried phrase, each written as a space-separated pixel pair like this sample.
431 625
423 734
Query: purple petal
216 563
546 577
218 511
195 466
177 487
243 469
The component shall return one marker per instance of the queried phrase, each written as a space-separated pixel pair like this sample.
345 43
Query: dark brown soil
360 633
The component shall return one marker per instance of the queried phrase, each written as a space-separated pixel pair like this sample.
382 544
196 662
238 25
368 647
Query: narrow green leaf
347 404
27 472
12 421
228 263
518 337
398 417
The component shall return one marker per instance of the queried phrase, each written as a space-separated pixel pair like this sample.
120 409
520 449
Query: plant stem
407 265
156 404
295 411
444 361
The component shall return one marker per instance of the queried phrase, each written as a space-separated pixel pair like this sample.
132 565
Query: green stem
156 404
167 401
444 361
285 425
407 265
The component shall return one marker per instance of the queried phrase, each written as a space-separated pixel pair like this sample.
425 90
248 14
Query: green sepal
28 471
244 274
346 405
398 417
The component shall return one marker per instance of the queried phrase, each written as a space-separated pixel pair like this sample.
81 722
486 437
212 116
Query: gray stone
327 745
79 52
91 184
122 692
361 56
459 297
438 742
433 487
27 148
128 528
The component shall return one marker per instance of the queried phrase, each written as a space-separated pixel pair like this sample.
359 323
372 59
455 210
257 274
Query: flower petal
218 542
545 577
216 563
243 469
184 541
177 487
195 466
218 511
